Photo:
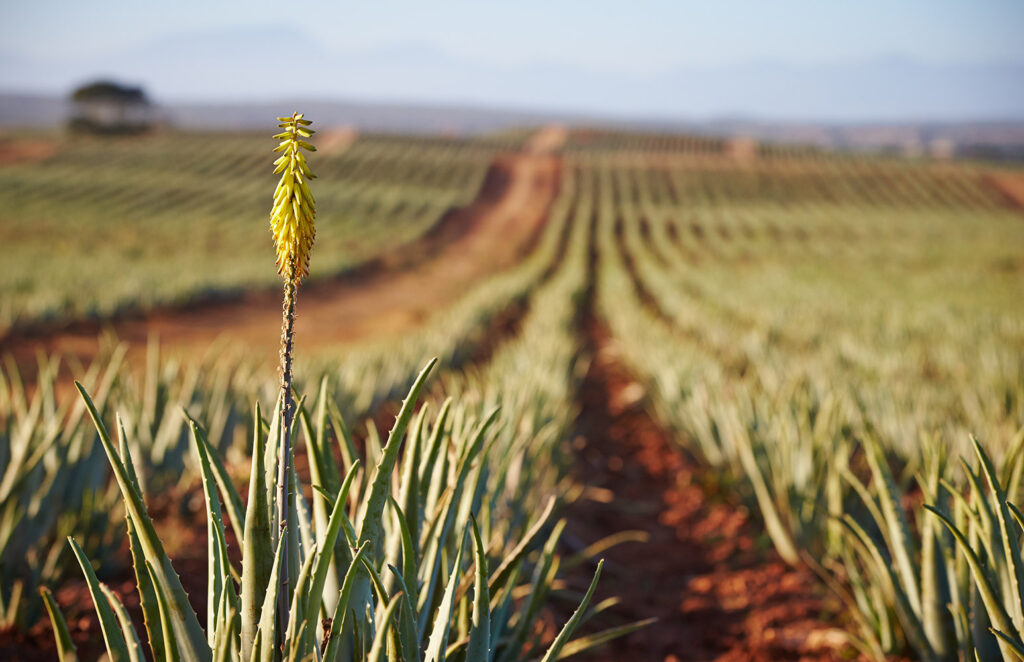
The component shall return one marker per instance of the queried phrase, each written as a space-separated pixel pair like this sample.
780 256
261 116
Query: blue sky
796 59
637 37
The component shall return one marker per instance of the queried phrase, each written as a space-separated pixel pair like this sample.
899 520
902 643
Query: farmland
739 373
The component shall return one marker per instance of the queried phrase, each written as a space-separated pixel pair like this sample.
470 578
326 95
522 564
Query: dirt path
706 573
382 298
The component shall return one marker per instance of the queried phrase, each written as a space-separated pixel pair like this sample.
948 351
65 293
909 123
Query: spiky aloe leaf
385 632
989 595
896 528
219 573
170 651
325 556
408 637
232 499
323 474
1016 646
131 639
544 572
1009 542
190 638
117 648
369 525
340 616
257 552
889 582
504 570
779 533
147 591
66 651
479 647
442 621
591 641
268 613
935 596
297 615
570 627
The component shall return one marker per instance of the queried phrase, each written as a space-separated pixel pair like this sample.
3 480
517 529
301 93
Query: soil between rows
706 572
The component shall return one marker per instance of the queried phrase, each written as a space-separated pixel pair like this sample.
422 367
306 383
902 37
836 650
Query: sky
640 37
618 42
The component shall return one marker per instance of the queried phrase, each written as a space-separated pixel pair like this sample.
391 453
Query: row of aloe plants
927 557
432 554
392 562
55 479
55 458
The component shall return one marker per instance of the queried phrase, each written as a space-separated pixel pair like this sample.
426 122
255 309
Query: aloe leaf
779 533
501 574
325 556
544 573
884 571
408 638
591 641
439 633
370 524
408 574
219 572
117 648
144 582
901 543
297 612
1010 542
232 500
66 651
1000 619
257 552
570 627
171 650
190 638
501 605
346 445
268 613
1015 646
384 631
935 616
131 639
340 616
410 483
479 647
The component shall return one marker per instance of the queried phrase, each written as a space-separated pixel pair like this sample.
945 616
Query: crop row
172 218
836 381
504 468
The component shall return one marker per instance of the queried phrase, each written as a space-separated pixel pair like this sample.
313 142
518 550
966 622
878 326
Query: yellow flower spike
294 210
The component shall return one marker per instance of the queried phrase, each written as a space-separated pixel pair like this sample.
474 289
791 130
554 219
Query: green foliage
818 355
365 623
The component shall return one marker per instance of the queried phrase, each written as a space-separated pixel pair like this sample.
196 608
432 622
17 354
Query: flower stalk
292 224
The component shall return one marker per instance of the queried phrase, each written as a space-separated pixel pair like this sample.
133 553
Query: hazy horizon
872 62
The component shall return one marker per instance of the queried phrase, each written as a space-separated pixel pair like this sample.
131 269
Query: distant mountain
259 64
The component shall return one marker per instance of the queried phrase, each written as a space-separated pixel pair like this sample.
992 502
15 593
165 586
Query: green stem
284 457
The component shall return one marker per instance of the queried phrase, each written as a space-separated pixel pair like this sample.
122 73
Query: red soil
1010 185
706 573
14 151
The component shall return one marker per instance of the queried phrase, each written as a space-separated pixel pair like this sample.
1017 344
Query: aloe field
559 393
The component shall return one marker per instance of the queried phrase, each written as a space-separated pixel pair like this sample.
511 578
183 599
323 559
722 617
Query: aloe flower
291 219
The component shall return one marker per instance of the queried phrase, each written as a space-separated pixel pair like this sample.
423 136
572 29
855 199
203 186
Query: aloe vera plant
403 601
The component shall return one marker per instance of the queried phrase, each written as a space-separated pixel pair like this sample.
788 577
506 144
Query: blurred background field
746 285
